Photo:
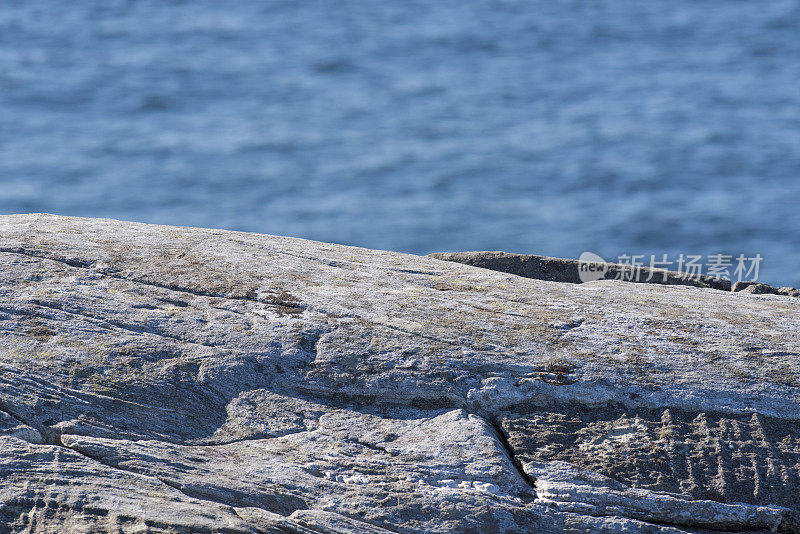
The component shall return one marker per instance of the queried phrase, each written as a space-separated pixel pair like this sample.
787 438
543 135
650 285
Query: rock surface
161 379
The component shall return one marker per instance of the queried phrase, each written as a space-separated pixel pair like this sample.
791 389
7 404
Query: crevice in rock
496 312
509 450
414 271
370 446
21 420
788 523
684 526
309 343
72 262
119 325
4 409
369 401
49 435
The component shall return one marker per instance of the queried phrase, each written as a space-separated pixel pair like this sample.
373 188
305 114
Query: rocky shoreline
165 379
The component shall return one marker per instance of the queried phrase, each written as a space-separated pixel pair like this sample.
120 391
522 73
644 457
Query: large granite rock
158 379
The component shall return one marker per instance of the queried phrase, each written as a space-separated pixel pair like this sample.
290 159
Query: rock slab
164 379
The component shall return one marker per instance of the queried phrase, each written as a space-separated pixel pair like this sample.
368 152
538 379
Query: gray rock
758 288
567 270
168 379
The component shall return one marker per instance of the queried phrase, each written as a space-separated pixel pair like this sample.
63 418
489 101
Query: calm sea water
550 127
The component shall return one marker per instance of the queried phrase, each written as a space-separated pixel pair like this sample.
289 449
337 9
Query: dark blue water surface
550 127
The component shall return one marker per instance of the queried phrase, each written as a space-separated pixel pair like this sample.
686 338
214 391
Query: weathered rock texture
158 379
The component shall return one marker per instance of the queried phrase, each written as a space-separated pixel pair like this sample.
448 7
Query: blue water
550 127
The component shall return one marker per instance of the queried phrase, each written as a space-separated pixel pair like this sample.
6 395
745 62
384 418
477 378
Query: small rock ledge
567 270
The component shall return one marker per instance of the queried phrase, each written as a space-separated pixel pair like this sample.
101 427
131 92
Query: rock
566 270
758 288
10 426
789 291
51 488
169 379
568 488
